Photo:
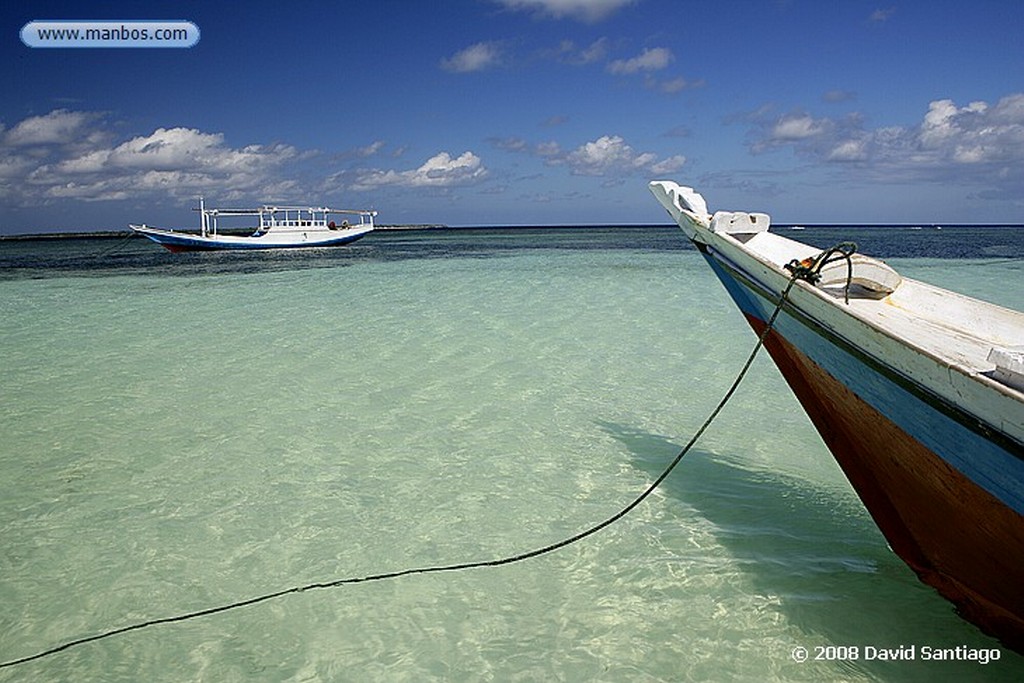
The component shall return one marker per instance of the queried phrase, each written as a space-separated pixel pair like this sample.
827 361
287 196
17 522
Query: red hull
937 520
175 249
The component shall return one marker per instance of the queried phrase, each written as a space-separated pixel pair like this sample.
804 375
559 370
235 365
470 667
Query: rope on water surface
110 249
448 567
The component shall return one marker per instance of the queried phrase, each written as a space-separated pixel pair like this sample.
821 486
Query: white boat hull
278 239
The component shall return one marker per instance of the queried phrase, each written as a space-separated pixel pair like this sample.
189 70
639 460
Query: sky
520 112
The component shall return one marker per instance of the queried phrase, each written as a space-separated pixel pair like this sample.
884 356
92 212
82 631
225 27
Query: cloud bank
439 171
608 156
985 139
73 155
67 155
82 156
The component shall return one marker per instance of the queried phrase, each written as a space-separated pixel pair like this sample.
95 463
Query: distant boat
917 391
278 227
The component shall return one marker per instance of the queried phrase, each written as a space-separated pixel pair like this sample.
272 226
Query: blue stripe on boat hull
186 243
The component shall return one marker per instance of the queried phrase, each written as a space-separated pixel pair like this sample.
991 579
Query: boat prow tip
681 201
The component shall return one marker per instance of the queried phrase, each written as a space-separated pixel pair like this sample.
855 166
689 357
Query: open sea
179 432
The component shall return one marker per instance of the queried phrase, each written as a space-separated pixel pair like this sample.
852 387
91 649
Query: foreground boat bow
917 391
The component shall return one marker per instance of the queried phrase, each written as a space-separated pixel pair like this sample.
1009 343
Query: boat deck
966 336
959 331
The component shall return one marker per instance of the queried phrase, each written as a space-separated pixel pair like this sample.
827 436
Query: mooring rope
111 249
448 567
810 268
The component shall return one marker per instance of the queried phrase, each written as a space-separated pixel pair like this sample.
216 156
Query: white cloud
164 149
594 52
607 156
975 134
797 127
59 126
596 157
71 155
582 10
649 63
944 122
549 149
882 15
674 85
474 58
848 150
569 53
512 144
610 155
370 149
651 59
440 170
668 165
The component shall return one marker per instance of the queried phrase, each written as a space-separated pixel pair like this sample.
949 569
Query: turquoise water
183 431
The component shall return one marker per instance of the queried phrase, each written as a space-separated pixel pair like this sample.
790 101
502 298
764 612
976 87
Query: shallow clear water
183 431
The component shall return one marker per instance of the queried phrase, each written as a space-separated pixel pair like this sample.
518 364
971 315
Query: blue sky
522 112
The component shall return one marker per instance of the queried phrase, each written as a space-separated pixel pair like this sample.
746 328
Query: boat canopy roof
268 209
